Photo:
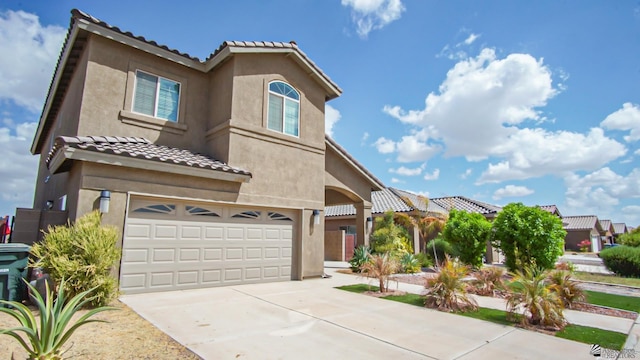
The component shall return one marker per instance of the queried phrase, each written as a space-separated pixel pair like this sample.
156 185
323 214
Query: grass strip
589 335
584 334
614 301
608 279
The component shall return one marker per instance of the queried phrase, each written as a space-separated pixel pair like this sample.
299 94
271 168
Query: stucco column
363 211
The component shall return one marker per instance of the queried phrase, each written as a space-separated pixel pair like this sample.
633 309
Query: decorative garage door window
247 215
198 211
168 209
277 216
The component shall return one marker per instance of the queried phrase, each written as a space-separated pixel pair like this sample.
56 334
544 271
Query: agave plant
448 291
563 284
360 257
409 263
45 342
531 295
381 266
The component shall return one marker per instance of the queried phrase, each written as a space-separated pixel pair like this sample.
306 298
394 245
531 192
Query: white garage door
170 245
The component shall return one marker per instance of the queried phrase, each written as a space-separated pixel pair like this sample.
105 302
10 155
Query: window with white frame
284 108
156 96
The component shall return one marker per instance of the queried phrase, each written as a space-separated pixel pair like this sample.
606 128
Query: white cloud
373 14
365 137
396 181
631 215
532 153
512 191
472 37
18 167
466 174
489 108
627 118
637 152
331 117
405 171
433 176
601 190
385 146
28 56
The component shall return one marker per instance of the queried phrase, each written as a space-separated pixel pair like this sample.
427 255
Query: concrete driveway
312 320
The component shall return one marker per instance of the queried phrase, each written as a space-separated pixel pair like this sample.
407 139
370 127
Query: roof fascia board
54 87
355 166
117 160
138 44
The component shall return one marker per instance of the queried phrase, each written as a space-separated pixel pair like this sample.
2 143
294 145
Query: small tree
468 233
83 254
527 236
429 224
390 237
381 266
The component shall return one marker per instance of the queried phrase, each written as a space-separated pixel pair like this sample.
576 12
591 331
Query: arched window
284 108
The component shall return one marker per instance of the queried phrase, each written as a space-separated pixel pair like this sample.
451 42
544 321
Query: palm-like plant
531 295
448 291
45 342
427 225
360 257
381 266
488 281
563 284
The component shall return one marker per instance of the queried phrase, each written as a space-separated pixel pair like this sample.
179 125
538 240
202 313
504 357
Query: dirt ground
125 336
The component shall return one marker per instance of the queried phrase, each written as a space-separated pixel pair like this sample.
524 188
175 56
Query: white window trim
155 107
284 97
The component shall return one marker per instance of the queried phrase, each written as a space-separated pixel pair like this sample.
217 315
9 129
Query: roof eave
375 183
68 153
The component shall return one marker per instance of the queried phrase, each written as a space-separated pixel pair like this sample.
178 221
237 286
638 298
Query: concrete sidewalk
311 319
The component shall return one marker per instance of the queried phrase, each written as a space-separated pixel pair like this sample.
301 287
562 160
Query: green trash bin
14 259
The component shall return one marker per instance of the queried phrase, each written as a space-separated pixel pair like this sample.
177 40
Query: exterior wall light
49 205
105 199
369 224
316 217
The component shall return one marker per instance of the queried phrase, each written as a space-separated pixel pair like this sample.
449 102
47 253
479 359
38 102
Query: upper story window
156 96
284 108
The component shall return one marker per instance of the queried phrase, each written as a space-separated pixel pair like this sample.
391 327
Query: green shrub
468 234
631 239
360 257
622 260
424 260
442 248
409 264
83 254
389 237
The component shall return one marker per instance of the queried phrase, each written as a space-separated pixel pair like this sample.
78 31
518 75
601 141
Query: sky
499 101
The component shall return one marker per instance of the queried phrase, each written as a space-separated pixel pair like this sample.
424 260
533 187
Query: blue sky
499 101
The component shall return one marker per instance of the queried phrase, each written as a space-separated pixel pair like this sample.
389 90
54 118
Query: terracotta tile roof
383 200
619 228
582 222
419 201
606 224
141 148
466 204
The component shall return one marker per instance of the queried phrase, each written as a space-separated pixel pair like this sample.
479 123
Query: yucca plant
45 342
488 281
563 284
381 266
531 295
448 291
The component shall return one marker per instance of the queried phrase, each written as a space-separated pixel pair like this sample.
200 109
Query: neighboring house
463 203
608 231
582 228
342 218
618 230
552 209
216 172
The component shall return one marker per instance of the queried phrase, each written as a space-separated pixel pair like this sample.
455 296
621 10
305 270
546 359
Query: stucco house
216 171
608 231
585 227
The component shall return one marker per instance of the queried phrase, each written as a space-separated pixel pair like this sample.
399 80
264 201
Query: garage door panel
174 251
